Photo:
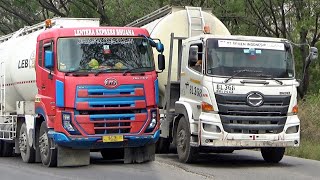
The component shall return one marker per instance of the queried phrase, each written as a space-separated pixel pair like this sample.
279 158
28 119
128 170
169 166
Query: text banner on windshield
251 44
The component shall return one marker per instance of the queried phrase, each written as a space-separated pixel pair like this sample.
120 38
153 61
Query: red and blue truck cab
97 91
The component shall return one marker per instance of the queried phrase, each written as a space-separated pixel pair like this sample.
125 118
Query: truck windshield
104 54
227 57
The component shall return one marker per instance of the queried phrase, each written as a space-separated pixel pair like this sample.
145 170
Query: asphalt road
239 165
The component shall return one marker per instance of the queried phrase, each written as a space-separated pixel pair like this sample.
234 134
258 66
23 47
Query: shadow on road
232 160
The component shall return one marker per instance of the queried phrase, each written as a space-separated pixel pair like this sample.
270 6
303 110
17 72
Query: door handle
187 84
43 86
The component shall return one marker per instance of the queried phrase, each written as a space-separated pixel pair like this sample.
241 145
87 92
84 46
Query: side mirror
161 62
193 54
313 53
160 47
48 59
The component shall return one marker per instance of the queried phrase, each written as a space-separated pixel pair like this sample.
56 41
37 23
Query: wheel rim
182 140
44 145
23 143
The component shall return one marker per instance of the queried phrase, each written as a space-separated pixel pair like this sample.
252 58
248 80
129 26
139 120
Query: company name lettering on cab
101 32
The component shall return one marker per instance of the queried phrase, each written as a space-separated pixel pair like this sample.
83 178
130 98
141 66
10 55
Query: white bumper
224 139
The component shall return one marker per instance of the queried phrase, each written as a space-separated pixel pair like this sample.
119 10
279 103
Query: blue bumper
96 142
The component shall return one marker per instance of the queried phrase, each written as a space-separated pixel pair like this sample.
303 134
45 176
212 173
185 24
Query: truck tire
48 155
273 155
27 153
112 153
163 146
186 153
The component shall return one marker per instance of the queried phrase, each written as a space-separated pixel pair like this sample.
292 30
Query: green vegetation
309 114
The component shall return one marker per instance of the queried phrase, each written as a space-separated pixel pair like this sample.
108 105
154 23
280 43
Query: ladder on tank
195 20
2 87
7 121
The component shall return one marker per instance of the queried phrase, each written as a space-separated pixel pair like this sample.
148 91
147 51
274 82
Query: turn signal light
206 107
295 109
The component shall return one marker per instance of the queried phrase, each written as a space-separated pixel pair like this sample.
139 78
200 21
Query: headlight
66 117
211 128
66 120
153 122
292 129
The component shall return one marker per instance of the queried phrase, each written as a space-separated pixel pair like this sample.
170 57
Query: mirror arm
158 72
50 76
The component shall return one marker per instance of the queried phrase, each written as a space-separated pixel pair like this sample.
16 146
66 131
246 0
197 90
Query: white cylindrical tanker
17 55
17 58
167 20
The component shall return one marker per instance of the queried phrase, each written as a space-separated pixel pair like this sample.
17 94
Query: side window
195 57
40 61
46 47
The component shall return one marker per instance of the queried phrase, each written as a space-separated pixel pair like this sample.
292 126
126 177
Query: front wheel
273 155
186 153
48 153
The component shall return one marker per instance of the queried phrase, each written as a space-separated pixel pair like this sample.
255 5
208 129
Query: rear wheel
186 153
27 153
113 153
48 153
273 155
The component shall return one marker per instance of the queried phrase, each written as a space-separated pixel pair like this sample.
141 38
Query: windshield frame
93 71
247 77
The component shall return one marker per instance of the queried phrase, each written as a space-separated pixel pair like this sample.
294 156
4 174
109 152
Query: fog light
211 128
67 125
292 129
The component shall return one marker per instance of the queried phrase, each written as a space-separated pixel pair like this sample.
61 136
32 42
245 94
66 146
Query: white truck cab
232 92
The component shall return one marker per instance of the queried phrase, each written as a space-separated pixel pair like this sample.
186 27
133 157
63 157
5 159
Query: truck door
46 78
192 80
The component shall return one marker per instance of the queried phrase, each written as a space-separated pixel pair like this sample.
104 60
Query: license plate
113 138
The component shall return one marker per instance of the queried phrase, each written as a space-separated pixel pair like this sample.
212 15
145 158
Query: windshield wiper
72 71
130 70
105 70
269 76
239 72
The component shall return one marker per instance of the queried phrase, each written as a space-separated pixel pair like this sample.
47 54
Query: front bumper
96 142
249 143
238 140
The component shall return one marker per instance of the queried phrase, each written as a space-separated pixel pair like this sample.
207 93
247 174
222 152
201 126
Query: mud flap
73 157
139 154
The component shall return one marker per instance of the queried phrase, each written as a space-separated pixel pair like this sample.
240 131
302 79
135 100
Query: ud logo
111 83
